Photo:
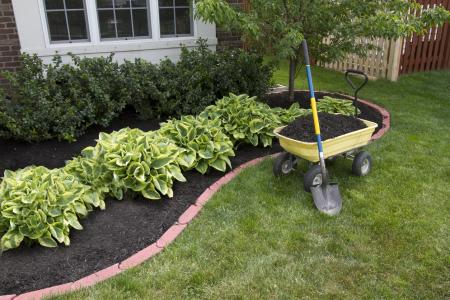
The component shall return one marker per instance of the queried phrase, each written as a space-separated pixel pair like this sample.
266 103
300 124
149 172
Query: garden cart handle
354 87
314 112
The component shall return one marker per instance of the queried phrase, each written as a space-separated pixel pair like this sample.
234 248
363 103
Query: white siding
33 35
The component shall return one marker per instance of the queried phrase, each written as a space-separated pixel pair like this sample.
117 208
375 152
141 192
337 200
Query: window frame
174 8
65 10
94 35
130 9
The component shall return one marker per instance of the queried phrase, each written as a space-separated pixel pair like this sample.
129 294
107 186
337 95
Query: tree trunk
292 69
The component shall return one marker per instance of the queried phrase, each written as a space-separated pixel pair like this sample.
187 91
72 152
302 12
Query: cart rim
317 180
365 166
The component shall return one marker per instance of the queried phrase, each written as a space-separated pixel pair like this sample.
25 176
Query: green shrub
241 72
38 204
195 73
60 100
202 76
247 120
143 88
204 142
336 106
104 86
130 159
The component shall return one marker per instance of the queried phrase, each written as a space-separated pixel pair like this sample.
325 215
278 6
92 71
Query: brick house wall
9 39
231 39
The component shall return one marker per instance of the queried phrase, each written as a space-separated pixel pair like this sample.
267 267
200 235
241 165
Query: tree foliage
333 28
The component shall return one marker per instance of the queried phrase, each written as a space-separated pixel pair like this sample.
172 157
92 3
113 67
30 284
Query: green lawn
261 237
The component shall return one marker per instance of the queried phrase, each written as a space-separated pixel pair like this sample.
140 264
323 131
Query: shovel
326 195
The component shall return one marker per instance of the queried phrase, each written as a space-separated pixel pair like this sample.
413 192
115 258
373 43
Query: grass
261 237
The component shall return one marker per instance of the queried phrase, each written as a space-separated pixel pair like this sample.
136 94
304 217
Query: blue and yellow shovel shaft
313 100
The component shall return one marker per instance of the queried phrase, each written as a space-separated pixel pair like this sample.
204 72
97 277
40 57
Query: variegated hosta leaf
130 159
246 120
204 142
336 106
42 205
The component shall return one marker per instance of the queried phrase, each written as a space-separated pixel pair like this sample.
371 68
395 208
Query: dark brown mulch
331 126
302 97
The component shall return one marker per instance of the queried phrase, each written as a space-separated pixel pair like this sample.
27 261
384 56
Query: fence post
394 59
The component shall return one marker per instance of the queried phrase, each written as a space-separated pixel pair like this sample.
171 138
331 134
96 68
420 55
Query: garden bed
109 236
124 228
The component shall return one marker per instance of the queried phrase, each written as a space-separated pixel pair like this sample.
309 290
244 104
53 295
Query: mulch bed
53 154
109 236
331 126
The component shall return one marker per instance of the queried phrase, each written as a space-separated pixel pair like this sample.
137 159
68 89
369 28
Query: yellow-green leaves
41 204
246 120
203 141
130 159
336 106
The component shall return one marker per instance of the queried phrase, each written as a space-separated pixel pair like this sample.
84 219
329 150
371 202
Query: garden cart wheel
362 164
313 177
331 160
284 164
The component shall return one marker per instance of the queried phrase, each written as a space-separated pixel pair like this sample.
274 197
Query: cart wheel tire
312 177
331 160
284 164
362 164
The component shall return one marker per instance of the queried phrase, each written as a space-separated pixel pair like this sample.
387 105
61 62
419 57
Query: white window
108 22
66 21
123 19
175 18
149 29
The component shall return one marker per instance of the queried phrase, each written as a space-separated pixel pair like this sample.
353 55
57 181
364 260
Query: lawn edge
171 234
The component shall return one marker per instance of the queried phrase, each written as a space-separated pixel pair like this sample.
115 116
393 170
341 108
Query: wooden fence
413 54
379 63
428 52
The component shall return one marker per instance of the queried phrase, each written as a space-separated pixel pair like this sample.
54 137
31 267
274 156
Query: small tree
333 28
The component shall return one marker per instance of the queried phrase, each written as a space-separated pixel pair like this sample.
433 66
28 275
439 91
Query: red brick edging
169 236
386 119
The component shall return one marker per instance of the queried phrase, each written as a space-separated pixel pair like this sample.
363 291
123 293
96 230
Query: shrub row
62 100
41 205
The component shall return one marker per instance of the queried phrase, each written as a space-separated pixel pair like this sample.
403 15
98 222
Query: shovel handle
314 112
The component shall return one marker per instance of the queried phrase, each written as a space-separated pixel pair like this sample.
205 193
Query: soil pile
331 126
303 99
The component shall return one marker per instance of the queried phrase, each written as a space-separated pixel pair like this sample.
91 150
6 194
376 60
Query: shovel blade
327 198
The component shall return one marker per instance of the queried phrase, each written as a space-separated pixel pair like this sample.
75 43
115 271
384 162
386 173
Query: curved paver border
170 235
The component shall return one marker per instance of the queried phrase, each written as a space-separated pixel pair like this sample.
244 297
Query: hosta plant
205 143
90 170
247 120
131 159
287 116
38 204
336 106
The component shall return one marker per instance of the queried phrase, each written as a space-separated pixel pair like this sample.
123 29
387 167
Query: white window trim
94 30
